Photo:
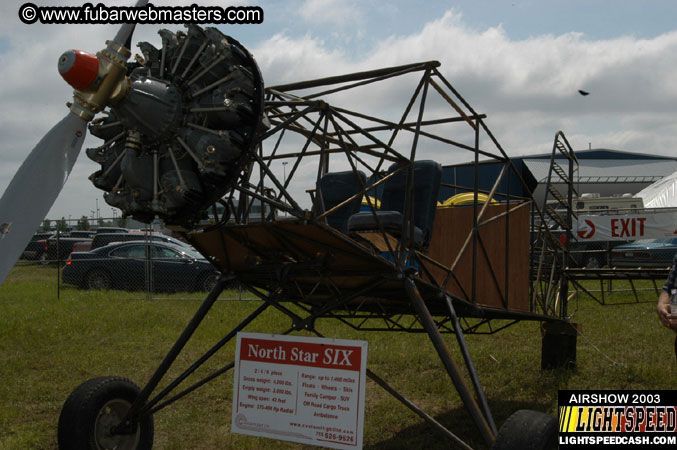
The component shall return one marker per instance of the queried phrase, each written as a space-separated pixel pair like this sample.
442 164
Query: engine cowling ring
183 135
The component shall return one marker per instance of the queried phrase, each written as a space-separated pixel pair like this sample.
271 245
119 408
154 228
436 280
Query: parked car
588 254
101 239
593 255
82 246
36 246
112 230
58 247
88 234
127 265
645 253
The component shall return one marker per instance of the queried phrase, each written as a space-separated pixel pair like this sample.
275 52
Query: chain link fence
142 260
88 256
592 255
627 270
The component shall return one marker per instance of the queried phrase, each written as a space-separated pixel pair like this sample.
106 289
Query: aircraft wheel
527 430
93 409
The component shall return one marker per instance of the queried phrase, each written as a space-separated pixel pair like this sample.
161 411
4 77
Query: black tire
43 258
593 262
207 281
98 279
527 430
93 408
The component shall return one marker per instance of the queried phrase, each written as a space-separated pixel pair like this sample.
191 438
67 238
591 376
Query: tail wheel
98 279
527 430
94 409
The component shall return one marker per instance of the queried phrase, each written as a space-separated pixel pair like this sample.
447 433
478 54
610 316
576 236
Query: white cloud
527 87
337 12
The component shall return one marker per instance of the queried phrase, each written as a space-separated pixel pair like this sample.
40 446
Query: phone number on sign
337 437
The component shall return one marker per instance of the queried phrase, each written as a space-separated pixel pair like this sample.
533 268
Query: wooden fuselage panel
314 263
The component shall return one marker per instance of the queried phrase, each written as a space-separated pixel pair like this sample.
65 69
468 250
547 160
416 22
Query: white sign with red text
628 227
300 389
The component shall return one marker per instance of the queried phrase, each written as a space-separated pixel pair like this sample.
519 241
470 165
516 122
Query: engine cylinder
196 106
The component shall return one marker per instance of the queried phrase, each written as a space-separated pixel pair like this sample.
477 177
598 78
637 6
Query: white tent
661 194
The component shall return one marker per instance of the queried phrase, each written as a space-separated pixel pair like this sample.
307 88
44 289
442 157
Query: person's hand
663 310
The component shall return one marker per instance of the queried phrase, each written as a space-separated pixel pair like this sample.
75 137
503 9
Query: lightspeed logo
646 419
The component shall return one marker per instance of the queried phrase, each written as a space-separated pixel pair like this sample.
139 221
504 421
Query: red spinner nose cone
78 68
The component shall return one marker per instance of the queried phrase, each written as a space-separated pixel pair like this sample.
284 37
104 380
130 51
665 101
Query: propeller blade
35 187
124 36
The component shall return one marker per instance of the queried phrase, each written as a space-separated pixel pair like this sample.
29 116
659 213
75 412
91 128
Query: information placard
300 389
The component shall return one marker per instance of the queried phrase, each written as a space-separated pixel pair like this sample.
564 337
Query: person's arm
663 306
663 309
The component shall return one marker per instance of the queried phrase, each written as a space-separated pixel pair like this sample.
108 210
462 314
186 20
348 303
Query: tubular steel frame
548 255
560 260
299 267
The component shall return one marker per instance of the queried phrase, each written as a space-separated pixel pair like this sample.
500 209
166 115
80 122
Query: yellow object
467 198
373 201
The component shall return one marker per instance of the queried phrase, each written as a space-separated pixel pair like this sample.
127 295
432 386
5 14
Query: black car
128 265
111 230
37 246
101 239
656 253
87 234
58 247
588 254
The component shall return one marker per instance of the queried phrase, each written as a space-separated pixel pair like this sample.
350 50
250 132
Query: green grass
49 346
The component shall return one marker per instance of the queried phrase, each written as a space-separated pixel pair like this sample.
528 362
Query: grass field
49 346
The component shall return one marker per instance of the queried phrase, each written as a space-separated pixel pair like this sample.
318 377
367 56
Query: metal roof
608 170
605 153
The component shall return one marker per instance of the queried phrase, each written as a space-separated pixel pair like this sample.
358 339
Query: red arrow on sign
583 234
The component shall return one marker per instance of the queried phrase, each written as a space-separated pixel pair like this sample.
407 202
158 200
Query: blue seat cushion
336 187
391 221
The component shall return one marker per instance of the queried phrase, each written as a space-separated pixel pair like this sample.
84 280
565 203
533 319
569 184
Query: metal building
606 172
601 171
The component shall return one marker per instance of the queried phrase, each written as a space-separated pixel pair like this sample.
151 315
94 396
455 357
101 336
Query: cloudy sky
521 62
